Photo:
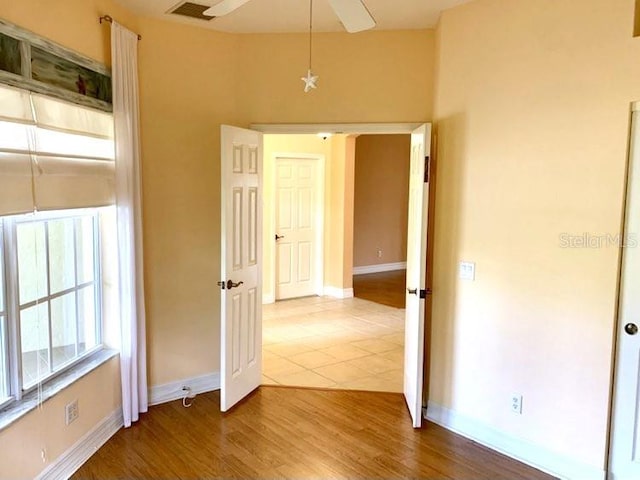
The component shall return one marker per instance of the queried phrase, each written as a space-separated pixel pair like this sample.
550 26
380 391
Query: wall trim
73 458
382 267
337 128
535 455
173 391
268 298
336 292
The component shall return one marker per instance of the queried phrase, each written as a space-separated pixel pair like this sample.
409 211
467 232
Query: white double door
298 226
241 260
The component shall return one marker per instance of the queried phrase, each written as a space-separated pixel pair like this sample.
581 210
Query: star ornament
309 81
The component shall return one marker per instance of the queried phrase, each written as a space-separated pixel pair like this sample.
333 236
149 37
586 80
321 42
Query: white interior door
241 285
416 271
297 226
624 461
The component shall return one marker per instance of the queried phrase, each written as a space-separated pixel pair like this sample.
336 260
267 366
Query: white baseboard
71 460
538 456
383 267
268 298
173 391
336 292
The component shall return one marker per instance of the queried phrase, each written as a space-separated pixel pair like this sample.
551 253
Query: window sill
29 402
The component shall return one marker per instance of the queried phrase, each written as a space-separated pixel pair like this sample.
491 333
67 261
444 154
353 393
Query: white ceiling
279 16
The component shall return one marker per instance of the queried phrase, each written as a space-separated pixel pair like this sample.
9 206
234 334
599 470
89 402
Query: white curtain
133 354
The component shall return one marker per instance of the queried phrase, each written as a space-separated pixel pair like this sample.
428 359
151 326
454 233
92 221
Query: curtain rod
109 19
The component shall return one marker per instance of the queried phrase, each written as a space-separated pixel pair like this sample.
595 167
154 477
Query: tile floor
324 342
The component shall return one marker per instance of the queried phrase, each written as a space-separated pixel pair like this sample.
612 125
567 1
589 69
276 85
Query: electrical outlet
467 271
188 392
516 403
71 412
43 455
379 253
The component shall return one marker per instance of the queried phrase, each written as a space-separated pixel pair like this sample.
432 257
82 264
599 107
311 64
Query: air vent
192 10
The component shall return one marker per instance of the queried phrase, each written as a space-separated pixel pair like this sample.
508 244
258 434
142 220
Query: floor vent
192 10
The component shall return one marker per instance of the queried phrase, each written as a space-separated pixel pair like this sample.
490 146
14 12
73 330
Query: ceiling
279 16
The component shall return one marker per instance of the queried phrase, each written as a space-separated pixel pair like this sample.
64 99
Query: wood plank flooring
387 288
281 432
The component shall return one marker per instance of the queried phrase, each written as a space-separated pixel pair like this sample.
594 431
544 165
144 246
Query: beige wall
98 395
532 115
339 261
368 77
381 199
187 91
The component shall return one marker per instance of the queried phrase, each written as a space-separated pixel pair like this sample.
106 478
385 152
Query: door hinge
424 293
426 169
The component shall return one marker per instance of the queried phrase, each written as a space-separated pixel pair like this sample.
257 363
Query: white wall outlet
71 412
379 251
516 403
467 271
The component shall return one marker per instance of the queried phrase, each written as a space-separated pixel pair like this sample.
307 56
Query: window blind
53 154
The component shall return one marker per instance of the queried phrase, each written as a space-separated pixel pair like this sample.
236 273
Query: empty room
182 295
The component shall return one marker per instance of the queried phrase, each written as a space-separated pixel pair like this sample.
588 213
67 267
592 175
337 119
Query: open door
624 453
241 265
417 271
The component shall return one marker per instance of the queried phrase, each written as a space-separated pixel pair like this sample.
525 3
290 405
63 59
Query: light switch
467 271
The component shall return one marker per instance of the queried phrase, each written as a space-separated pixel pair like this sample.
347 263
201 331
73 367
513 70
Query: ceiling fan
352 13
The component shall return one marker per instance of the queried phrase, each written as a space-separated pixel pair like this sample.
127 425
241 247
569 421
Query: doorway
381 207
297 211
329 340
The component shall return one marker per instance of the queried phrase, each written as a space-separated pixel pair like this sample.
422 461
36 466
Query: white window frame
4 329
13 357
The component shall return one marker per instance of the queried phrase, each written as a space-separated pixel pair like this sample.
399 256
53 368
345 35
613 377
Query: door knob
412 291
278 237
631 328
231 284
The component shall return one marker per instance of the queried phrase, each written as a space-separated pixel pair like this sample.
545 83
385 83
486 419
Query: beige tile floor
324 342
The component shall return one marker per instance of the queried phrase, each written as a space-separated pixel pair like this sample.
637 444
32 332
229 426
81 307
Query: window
52 294
56 159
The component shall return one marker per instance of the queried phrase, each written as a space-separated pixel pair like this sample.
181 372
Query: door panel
241 263
297 198
625 430
416 272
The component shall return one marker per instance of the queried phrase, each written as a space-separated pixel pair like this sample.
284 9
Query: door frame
618 330
319 221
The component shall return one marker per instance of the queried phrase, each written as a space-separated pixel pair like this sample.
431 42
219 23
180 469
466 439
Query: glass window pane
88 333
63 329
61 255
32 262
34 341
85 246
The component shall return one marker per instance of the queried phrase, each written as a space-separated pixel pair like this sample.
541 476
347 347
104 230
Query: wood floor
281 432
387 288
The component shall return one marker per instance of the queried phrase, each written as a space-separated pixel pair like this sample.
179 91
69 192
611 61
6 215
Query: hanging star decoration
309 81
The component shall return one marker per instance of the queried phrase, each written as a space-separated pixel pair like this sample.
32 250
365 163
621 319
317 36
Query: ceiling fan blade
353 14
224 7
